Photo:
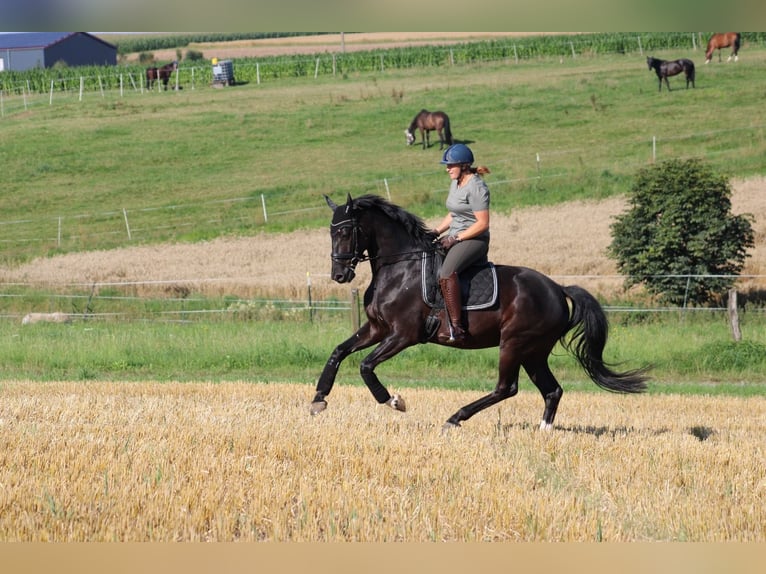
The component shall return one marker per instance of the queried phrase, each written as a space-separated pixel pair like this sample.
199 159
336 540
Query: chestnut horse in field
529 316
723 40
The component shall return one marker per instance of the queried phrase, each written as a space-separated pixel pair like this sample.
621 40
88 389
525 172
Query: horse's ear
331 203
349 203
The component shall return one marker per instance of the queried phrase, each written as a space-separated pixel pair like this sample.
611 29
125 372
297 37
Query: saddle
478 287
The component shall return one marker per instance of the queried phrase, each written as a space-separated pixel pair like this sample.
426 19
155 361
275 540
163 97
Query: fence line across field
241 307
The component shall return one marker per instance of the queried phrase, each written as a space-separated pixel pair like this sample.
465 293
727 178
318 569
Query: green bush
679 237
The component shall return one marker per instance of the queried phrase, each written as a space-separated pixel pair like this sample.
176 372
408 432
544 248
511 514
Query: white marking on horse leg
545 426
396 402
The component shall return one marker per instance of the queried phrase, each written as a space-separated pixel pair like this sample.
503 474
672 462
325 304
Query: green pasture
114 169
689 354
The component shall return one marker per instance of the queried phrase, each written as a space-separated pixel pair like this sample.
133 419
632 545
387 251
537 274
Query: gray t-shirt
463 203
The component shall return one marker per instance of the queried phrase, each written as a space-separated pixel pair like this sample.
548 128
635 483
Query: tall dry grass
239 461
563 240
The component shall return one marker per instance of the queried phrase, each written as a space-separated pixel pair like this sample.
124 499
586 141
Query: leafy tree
679 230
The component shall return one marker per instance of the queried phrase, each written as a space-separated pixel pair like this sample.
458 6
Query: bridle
351 258
355 255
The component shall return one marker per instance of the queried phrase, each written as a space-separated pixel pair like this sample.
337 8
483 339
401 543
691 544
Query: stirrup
460 334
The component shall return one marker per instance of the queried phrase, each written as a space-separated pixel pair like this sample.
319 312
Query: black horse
665 68
427 122
530 315
162 74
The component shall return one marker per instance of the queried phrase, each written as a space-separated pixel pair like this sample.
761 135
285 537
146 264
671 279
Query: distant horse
426 122
665 68
528 315
163 74
723 40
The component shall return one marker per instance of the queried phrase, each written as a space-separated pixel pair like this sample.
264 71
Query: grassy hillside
118 169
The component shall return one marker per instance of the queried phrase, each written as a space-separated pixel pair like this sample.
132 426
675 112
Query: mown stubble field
245 462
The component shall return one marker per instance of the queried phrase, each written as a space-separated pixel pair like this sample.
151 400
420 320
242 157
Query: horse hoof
396 402
317 407
448 426
547 427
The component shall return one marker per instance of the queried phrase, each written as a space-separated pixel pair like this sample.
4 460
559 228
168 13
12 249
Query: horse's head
347 241
410 137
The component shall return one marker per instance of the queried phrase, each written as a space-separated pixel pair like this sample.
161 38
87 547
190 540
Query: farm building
27 50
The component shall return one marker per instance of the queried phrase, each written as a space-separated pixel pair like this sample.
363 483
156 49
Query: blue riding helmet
458 153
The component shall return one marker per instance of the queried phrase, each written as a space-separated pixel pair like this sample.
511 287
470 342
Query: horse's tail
588 340
447 130
737 41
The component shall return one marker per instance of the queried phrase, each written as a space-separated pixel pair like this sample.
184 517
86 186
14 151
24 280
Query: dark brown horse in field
427 122
665 68
723 40
162 74
528 315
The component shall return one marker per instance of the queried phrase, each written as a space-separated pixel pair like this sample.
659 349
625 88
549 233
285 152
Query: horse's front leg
391 345
362 339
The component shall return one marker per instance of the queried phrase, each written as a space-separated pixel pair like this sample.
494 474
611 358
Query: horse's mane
412 224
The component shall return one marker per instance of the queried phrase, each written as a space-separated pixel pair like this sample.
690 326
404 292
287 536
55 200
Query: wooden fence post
733 316
355 310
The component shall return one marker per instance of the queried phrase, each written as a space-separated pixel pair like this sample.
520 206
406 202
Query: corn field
252 70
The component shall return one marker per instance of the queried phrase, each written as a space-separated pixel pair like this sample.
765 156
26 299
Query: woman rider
467 227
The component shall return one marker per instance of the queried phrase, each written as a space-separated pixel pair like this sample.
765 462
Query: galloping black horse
665 68
531 313
426 122
163 74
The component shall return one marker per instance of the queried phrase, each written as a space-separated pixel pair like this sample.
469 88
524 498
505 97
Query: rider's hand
448 242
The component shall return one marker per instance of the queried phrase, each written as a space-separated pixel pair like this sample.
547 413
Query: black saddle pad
478 283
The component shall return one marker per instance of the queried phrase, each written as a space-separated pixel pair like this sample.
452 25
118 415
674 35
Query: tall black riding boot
450 287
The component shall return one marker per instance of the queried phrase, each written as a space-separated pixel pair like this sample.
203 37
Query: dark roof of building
29 40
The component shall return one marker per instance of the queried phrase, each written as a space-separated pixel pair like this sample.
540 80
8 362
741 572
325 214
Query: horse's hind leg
507 386
549 387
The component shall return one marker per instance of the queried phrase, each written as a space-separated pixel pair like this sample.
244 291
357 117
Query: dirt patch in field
567 241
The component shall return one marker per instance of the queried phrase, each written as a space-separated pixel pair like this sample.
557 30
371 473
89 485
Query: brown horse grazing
163 74
527 316
723 40
666 68
426 122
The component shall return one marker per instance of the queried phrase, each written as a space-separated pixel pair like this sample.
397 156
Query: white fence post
127 224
